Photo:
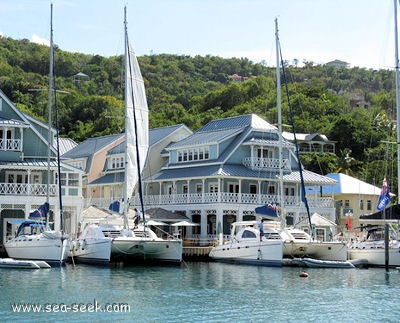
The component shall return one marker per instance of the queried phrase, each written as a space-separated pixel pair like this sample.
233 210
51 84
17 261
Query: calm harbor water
200 292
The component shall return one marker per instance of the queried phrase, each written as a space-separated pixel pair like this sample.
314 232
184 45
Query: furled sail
136 120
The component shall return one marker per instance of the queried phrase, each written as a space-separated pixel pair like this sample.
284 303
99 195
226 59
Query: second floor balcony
11 144
217 198
258 163
27 189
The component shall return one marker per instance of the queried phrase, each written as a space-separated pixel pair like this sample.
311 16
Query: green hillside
353 106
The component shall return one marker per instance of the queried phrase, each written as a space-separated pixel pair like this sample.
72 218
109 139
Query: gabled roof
158 134
247 120
91 146
350 185
13 122
309 177
109 178
66 144
305 136
203 138
217 131
17 117
155 136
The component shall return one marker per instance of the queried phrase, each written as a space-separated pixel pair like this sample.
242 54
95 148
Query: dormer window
188 155
116 162
264 153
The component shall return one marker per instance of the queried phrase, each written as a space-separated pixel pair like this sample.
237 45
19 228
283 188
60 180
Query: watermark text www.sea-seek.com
93 307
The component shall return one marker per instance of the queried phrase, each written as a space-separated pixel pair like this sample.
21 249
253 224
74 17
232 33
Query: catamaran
130 242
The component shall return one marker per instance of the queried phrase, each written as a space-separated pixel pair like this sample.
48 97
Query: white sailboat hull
323 250
39 247
267 253
138 249
91 251
376 257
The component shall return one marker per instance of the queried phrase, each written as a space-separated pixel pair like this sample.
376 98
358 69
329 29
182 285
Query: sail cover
137 115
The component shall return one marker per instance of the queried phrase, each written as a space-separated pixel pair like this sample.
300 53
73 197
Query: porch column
22 138
203 224
259 192
240 191
188 192
219 190
203 188
28 183
159 194
174 190
252 156
4 138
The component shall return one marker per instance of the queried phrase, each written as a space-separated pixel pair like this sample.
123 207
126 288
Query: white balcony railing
265 163
27 189
209 198
11 144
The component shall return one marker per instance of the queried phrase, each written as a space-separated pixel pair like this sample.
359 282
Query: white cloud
39 40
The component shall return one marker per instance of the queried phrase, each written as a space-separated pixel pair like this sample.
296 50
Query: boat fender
303 274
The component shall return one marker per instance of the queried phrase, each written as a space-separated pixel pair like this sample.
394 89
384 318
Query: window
199 188
248 234
188 155
369 205
346 204
271 190
233 188
253 189
213 188
361 205
69 179
117 162
264 153
289 191
184 189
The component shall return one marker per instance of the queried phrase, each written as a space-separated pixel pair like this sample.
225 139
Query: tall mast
396 51
279 104
126 201
51 72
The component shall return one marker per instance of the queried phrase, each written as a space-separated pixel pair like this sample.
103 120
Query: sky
359 32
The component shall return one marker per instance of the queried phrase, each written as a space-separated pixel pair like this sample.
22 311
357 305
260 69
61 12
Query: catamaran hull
146 250
318 250
376 257
265 253
91 251
52 251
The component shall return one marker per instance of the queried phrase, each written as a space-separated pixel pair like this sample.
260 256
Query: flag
41 211
267 210
384 199
349 225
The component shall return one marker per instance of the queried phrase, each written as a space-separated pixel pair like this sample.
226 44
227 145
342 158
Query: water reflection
203 292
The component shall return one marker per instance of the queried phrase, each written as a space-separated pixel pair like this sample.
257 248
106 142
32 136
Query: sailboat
91 246
297 242
130 242
371 246
35 240
377 249
248 245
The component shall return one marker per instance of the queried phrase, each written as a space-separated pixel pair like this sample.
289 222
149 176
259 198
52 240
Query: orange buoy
303 274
